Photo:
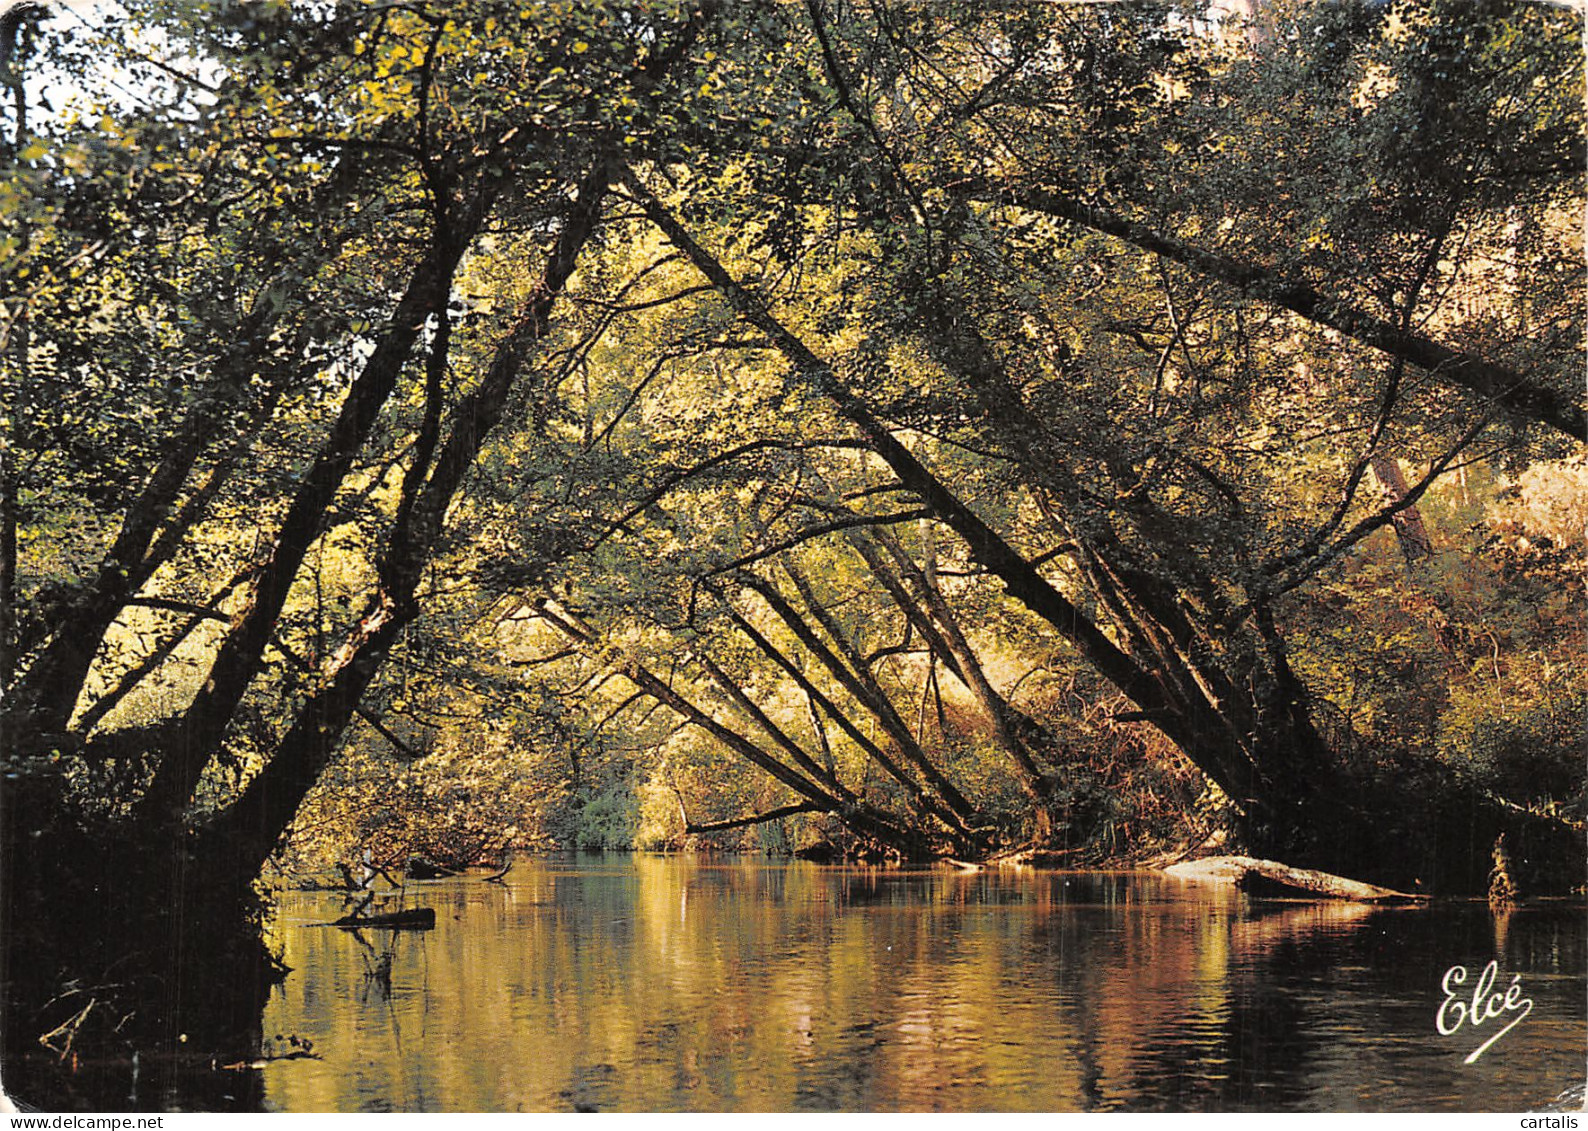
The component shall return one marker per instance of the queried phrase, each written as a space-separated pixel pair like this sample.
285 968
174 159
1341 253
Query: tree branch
758 819
1521 395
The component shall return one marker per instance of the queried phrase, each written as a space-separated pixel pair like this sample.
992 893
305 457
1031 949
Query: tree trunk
1521 395
258 818
1409 529
941 629
943 799
860 818
203 725
815 697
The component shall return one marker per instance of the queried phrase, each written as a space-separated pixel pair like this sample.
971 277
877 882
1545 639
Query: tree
1196 598
662 327
333 177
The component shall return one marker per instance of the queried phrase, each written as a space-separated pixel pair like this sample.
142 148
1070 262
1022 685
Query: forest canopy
915 430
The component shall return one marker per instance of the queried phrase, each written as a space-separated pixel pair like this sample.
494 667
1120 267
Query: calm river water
648 983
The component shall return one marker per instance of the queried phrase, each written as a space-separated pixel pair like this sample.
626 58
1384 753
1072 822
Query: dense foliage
909 430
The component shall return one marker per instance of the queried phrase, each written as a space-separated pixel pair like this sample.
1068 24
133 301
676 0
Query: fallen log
410 919
821 852
961 865
1029 857
422 868
266 1061
1265 879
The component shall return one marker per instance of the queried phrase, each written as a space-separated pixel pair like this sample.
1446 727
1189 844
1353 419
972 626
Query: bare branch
758 819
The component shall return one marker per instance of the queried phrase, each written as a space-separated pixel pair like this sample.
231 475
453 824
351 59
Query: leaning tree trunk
1409 529
1245 723
938 625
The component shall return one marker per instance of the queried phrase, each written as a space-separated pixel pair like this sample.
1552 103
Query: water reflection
652 983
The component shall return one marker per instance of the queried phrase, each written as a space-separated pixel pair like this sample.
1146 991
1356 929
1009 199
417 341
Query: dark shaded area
134 974
1418 827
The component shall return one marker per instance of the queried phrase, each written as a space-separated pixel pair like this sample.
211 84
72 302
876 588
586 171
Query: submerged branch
757 819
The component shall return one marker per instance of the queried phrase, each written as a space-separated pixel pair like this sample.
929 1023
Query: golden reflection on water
648 983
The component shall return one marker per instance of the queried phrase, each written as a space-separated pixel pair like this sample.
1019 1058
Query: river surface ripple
652 983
